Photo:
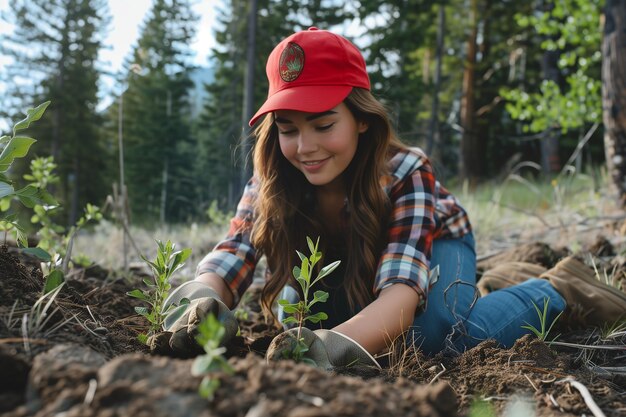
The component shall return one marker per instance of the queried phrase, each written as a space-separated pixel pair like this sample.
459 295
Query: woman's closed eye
286 131
324 127
286 128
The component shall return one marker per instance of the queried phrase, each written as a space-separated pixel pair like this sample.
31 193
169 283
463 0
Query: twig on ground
617 370
532 383
21 340
584 392
578 346
554 402
544 371
438 375
91 392
313 400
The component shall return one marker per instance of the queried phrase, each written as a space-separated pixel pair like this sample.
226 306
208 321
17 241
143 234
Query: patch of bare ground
93 365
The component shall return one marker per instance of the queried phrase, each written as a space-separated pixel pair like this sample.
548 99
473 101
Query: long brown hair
285 213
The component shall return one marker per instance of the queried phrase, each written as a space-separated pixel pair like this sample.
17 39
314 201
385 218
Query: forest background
481 85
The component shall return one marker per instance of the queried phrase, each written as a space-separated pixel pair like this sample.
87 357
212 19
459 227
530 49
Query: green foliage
542 333
243 308
159 149
300 311
53 238
210 333
167 262
58 252
17 146
481 408
401 31
217 216
53 53
219 158
614 330
572 28
35 322
34 195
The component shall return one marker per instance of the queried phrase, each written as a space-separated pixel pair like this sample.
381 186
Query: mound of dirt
86 361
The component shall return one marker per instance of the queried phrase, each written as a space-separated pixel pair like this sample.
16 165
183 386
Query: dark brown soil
93 365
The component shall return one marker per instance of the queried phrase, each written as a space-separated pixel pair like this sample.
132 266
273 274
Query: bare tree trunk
433 137
248 97
614 93
469 158
550 161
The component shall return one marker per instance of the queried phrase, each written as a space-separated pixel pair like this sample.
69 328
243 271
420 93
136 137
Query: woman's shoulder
405 161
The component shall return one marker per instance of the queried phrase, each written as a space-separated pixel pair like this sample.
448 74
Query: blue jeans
457 318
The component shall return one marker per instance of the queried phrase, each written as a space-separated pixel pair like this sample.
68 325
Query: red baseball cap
312 71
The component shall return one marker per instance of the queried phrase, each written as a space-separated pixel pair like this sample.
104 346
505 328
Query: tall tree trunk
550 161
248 97
469 155
433 137
614 93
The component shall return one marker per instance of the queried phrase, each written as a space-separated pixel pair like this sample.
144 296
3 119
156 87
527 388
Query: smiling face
320 145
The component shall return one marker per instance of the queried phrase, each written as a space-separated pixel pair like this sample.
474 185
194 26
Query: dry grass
568 210
105 244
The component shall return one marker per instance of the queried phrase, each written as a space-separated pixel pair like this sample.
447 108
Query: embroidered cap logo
291 62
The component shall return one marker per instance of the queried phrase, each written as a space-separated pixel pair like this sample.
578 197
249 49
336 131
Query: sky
126 18
126 23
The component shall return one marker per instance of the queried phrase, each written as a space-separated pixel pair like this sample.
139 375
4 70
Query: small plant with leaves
17 146
55 258
168 261
542 333
210 333
300 312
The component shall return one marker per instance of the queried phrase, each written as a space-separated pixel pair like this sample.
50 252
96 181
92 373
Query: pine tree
221 126
159 147
398 29
54 51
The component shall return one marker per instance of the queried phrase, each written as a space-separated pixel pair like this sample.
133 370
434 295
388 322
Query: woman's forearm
377 325
218 285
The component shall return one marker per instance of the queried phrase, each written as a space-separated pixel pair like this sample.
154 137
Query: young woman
327 164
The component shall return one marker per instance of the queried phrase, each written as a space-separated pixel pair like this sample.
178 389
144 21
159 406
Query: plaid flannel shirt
423 210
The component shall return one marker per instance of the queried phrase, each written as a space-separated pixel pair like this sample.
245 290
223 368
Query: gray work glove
327 349
181 324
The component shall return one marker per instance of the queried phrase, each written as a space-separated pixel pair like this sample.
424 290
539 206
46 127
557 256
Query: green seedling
615 330
481 408
210 333
35 323
242 312
300 312
167 262
56 257
17 146
34 195
542 333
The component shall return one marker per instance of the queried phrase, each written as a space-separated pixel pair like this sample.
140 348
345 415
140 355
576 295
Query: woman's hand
327 349
377 325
